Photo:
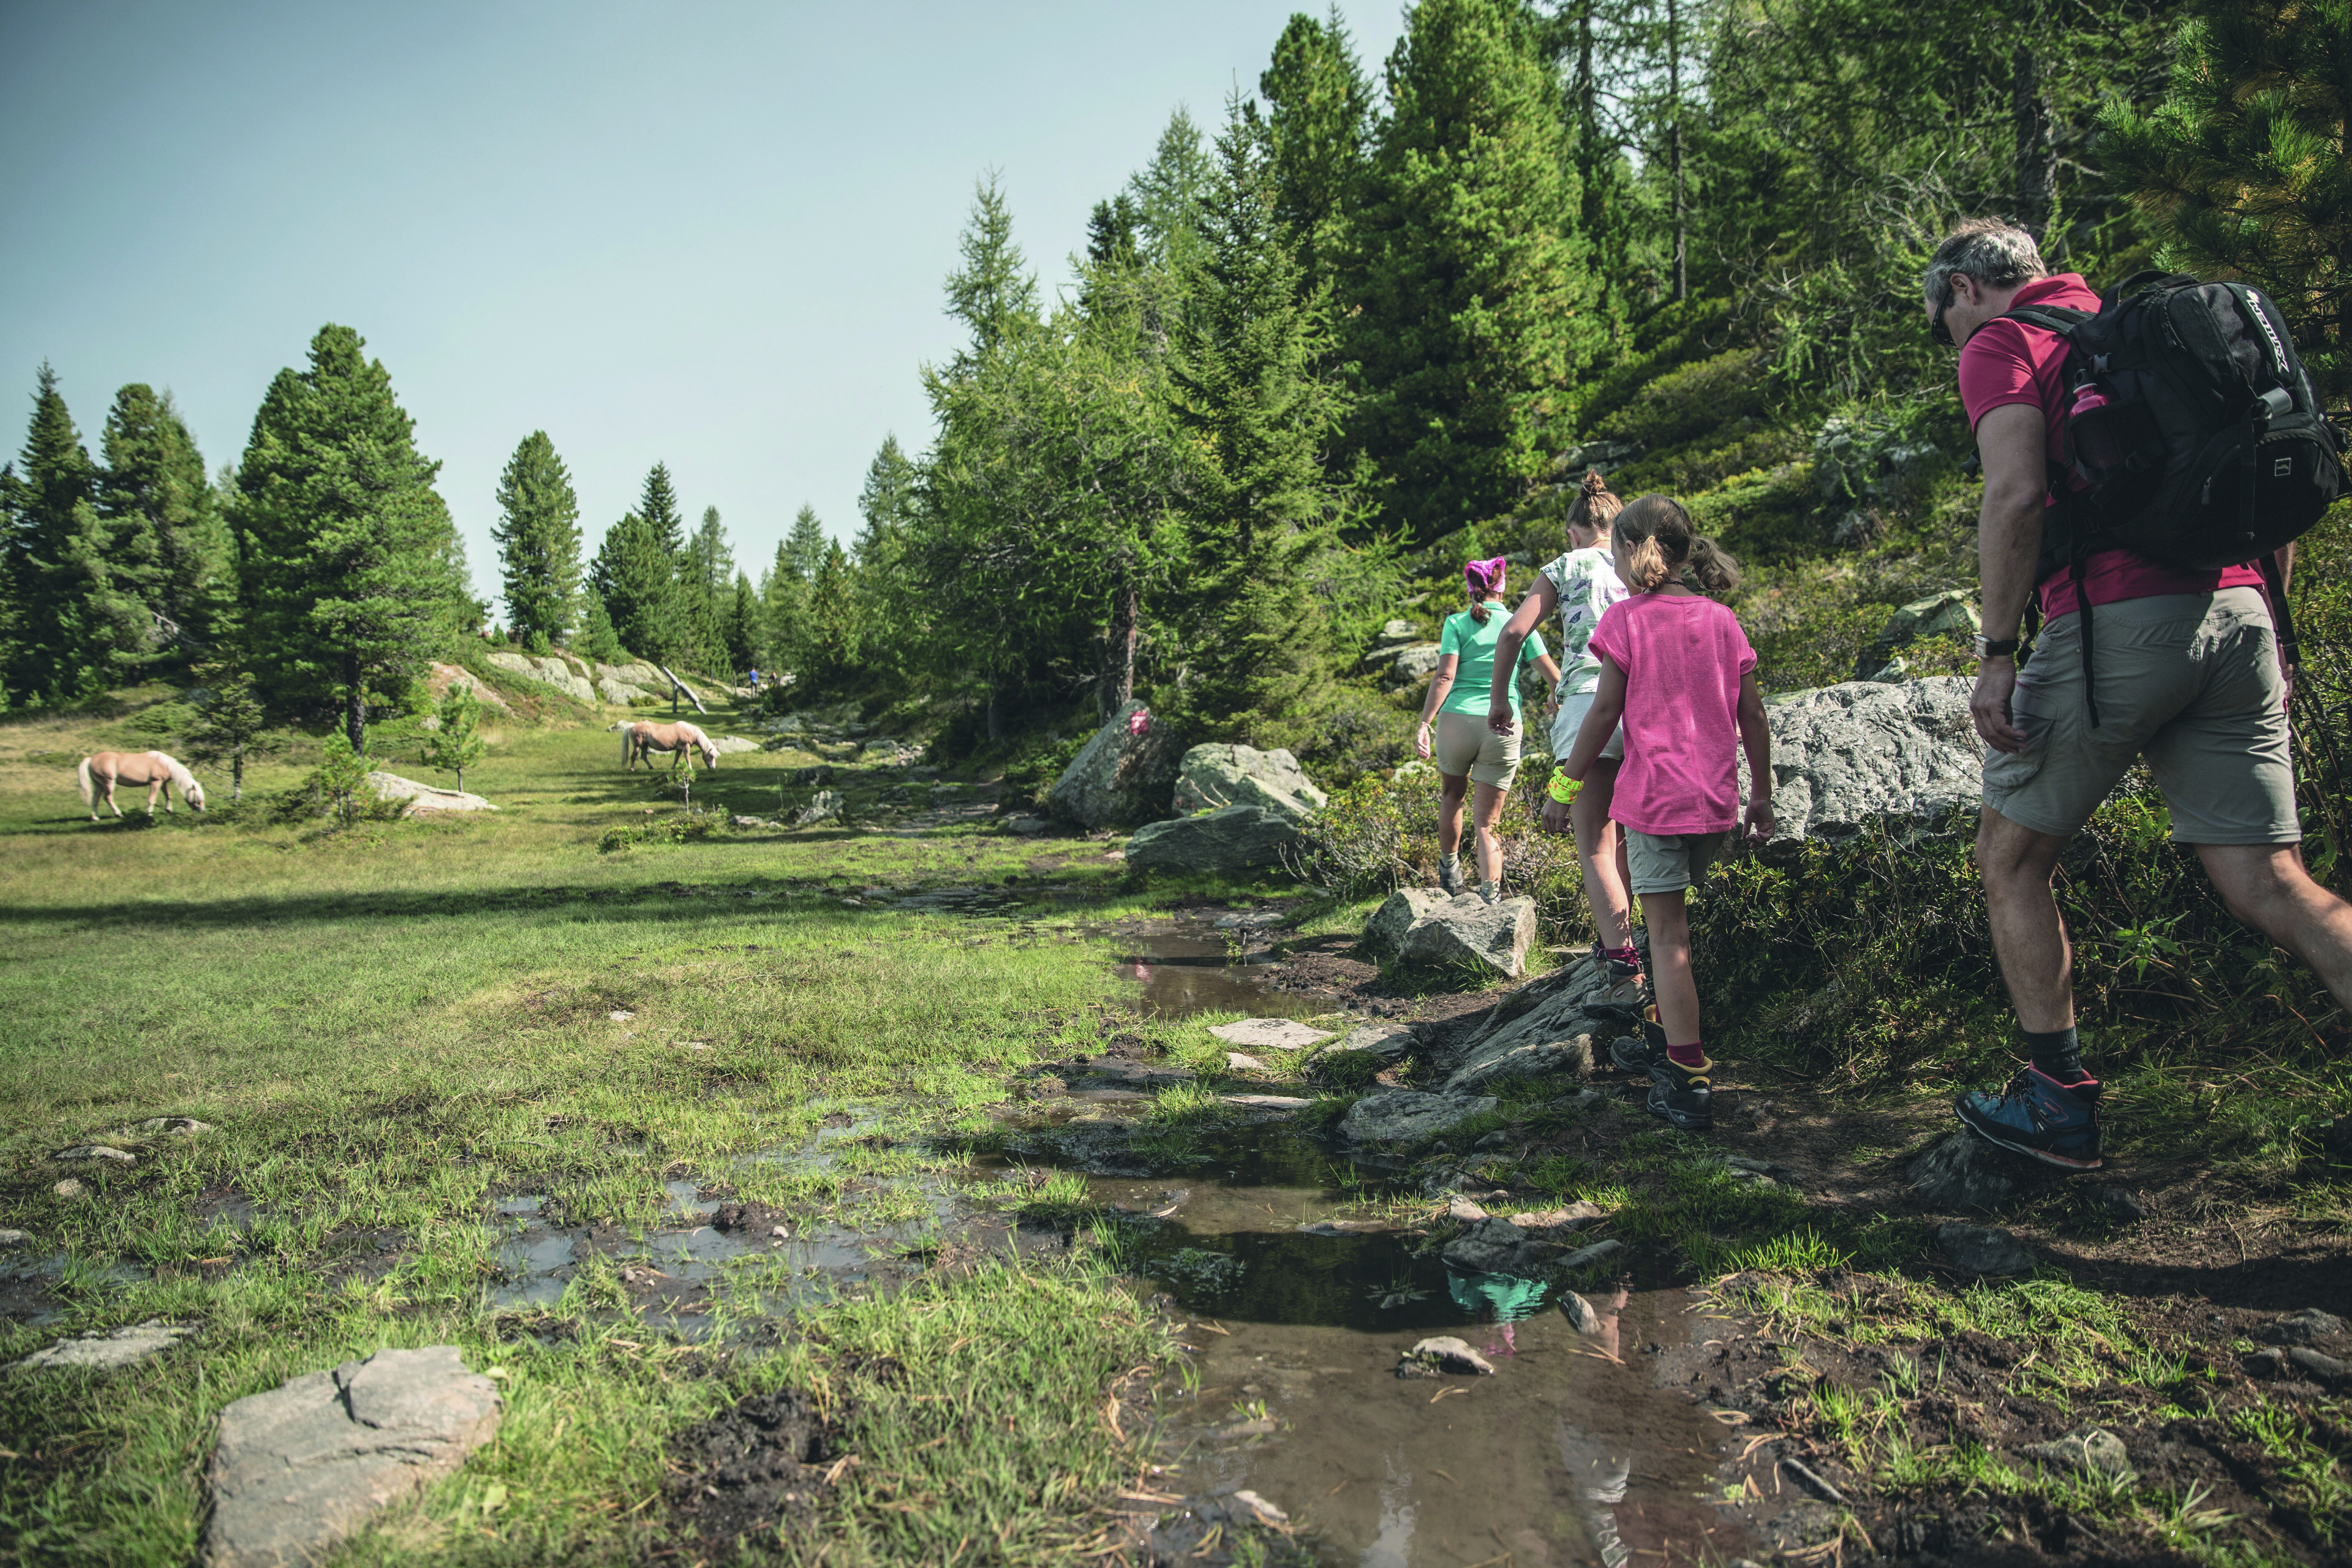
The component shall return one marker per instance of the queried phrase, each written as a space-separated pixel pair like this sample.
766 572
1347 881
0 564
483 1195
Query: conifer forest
869 1141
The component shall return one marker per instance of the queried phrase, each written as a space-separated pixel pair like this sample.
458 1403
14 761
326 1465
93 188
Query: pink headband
1487 576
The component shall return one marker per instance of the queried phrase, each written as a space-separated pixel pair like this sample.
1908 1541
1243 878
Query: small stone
184 1126
115 1347
2122 1203
780 1233
1579 1313
2302 1328
620 1014
1242 1061
1262 1511
2320 1369
1270 1034
1978 1249
1443 1353
12 1238
2091 1450
1466 1211
97 1152
1256 1428
1390 1042
1585 1256
69 1188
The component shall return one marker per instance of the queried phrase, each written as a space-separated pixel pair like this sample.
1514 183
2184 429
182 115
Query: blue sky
711 235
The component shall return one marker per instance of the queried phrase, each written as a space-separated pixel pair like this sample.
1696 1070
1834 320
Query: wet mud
751 1468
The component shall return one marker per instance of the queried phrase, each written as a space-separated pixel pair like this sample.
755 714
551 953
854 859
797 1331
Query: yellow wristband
1562 788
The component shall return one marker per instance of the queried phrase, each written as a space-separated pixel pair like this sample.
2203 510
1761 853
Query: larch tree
637 581
538 535
165 532
352 571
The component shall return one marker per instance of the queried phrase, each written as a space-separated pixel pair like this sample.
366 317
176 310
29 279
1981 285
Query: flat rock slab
1390 1042
1268 1101
1410 1116
424 797
114 1347
97 1152
1231 839
1270 1034
182 1126
300 1468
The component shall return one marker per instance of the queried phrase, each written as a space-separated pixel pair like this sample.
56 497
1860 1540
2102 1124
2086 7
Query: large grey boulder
423 798
1851 756
1120 777
555 672
300 1468
1233 838
1213 776
1410 1116
1420 925
1406 666
1541 1029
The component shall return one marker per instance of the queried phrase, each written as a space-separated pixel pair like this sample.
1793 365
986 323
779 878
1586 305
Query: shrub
692 828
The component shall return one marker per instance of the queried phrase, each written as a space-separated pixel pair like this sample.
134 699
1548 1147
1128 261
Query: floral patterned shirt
1587 583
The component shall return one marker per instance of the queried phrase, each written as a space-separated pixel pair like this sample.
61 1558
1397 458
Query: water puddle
1303 1301
1189 967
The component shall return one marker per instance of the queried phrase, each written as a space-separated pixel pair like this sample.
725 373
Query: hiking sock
1690 1058
2057 1056
1625 956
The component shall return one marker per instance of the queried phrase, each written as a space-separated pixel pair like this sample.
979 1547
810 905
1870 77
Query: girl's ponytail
1659 541
1595 503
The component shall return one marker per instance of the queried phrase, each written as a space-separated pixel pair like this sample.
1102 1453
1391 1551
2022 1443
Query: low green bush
692 828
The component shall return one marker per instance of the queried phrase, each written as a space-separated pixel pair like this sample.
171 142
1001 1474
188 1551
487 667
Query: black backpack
2197 436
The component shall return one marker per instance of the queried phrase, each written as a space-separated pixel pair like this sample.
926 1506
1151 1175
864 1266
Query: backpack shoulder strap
2058 319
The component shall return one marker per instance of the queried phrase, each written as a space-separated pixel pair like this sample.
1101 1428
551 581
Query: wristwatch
1989 648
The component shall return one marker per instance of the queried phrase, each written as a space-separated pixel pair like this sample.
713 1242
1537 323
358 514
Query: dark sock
1690 1058
2057 1056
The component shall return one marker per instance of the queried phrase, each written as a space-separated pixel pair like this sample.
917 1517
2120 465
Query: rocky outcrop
1408 1116
1417 925
424 798
727 746
1235 839
1120 777
1214 776
1951 613
1852 756
1399 667
557 672
300 1468
442 677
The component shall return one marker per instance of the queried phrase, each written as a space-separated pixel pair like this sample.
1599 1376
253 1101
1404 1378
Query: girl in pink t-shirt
1676 666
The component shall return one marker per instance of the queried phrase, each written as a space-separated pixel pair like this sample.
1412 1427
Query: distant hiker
755 678
1676 669
1582 583
1464 748
2186 674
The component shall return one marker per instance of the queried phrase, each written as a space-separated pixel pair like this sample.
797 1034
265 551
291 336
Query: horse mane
179 772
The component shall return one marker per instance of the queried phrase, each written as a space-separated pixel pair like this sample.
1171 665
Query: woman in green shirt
1464 747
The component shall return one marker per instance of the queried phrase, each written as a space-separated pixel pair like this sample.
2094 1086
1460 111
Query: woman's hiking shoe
1449 876
2055 1123
1683 1098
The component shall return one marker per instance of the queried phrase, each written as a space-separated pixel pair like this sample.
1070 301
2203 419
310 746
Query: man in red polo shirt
2188 677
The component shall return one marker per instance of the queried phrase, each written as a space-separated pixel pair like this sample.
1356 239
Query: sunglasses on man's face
1941 334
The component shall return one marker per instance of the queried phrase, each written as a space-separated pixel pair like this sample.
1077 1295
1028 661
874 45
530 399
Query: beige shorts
2192 682
1465 745
1674 862
1572 710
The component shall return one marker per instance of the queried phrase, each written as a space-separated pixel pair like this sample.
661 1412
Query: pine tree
1320 119
784 605
704 577
637 581
829 634
744 638
1473 307
602 644
352 571
1248 392
658 504
2244 169
537 534
1166 193
457 744
166 540
71 620
230 725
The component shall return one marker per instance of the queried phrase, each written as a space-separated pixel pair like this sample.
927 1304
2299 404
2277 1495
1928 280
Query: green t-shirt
1474 679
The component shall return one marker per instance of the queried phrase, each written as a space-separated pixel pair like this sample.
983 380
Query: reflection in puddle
1188 967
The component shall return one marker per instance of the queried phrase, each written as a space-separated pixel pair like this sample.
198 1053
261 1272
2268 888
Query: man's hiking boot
1449 876
2037 1116
1683 1098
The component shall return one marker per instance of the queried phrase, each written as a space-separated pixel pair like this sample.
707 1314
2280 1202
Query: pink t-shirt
2008 361
1683 656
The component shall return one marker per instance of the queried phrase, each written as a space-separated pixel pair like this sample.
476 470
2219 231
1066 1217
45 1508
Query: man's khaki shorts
1463 744
2192 682
1671 863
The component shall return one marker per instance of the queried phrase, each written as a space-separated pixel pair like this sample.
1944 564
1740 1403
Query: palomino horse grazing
153 769
642 738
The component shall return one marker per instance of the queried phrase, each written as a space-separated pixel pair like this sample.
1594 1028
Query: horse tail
629 742
88 790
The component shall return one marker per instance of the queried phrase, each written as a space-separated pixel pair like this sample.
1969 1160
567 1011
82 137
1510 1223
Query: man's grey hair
1997 254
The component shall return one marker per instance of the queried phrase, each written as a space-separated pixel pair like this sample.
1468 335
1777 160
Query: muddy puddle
1302 1298
1188 967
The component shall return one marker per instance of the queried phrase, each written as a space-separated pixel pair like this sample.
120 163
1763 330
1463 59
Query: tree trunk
2036 170
1118 656
355 712
996 735
1674 109
236 775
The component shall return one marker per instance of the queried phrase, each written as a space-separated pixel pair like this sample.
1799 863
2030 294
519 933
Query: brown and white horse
644 737
153 769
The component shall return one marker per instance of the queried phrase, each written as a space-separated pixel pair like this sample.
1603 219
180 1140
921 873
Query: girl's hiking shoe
1683 1098
2055 1123
1630 1053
